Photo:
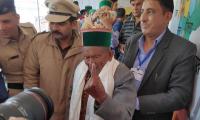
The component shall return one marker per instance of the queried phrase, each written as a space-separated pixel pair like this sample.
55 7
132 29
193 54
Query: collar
77 41
157 40
74 49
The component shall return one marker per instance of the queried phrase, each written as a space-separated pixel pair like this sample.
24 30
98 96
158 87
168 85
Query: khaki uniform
45 67
28 28
11 59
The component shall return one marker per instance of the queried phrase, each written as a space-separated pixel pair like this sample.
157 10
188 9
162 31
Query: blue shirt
115 33
142 56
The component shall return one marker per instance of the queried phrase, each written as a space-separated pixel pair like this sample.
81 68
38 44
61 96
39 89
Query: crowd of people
100 64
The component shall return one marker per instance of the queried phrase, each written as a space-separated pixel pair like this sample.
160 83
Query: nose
143 17
54 26
89 60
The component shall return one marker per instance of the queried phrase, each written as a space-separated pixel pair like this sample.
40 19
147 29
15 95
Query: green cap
7 6
100 38
92 11
105 3
88 8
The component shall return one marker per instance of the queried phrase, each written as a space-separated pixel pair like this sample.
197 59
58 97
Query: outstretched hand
94 86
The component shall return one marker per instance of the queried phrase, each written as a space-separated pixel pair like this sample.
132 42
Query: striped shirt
129 28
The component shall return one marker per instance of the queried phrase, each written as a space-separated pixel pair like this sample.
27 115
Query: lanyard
141 62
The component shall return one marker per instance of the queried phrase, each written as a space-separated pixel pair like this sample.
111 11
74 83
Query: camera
31 104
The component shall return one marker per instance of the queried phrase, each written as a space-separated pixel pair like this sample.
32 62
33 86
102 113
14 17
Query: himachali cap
7 6
97 34
61 10
97 37
105 3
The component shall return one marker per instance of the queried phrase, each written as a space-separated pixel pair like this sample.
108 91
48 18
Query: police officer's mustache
56 32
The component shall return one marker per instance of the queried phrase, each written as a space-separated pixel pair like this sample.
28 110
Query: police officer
53 56
13 46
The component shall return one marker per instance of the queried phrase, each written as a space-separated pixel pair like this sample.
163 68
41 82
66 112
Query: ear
168 16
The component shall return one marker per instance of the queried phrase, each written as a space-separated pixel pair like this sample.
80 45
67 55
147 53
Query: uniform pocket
14 63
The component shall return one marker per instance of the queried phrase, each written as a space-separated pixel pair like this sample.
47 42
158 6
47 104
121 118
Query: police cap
7 6
61 10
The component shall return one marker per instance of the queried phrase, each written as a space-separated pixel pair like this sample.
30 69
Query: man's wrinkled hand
94 86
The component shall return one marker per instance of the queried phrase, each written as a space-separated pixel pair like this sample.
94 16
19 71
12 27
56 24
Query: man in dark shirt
131 25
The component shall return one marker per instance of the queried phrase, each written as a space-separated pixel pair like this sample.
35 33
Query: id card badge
138 73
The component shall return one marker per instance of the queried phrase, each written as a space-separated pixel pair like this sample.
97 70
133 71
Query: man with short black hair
14 42
131 25
162 63
52 56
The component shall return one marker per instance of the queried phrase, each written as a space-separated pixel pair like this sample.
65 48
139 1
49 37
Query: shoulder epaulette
27 24
39 34
28 28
